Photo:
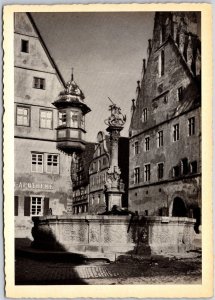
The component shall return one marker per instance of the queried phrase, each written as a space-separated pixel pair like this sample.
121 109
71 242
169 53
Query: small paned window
144 115
136 147
36 206
23 116
160 170
52 163
82 122
160 138
175 132
62 118
147 140
180 93
39 83
25 46
147 172
46 119
37 162
191 126
136 175
74 119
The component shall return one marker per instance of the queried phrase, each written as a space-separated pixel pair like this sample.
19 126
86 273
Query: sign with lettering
33 185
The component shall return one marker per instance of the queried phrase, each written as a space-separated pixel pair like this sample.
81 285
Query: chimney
149 47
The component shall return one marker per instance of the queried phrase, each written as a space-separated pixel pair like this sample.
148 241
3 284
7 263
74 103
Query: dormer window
25 46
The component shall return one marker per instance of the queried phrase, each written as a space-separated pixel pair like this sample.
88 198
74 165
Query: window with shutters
46 119
52 163
22 116
37 162
36 206
39 83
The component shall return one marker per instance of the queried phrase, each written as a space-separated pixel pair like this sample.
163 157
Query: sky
106 51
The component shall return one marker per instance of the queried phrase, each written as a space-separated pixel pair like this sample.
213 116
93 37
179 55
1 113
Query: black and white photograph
107 148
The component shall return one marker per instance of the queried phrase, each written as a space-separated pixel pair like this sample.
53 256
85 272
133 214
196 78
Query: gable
23 25
159 94
38 57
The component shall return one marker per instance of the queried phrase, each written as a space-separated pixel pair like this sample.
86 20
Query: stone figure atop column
114 187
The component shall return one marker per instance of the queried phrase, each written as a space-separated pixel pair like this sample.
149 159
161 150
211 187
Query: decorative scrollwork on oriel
116 118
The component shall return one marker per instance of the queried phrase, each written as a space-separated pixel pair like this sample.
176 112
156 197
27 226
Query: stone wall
108 235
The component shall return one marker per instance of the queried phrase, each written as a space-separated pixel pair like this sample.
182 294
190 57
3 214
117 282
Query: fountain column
114 187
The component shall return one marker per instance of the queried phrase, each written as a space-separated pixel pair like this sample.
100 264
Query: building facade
80 179
42 173
165 128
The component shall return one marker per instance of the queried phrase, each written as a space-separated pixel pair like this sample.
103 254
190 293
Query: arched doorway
179 208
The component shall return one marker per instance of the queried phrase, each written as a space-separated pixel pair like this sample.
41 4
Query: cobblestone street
132 271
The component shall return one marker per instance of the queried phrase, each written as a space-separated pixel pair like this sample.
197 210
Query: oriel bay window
22 116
